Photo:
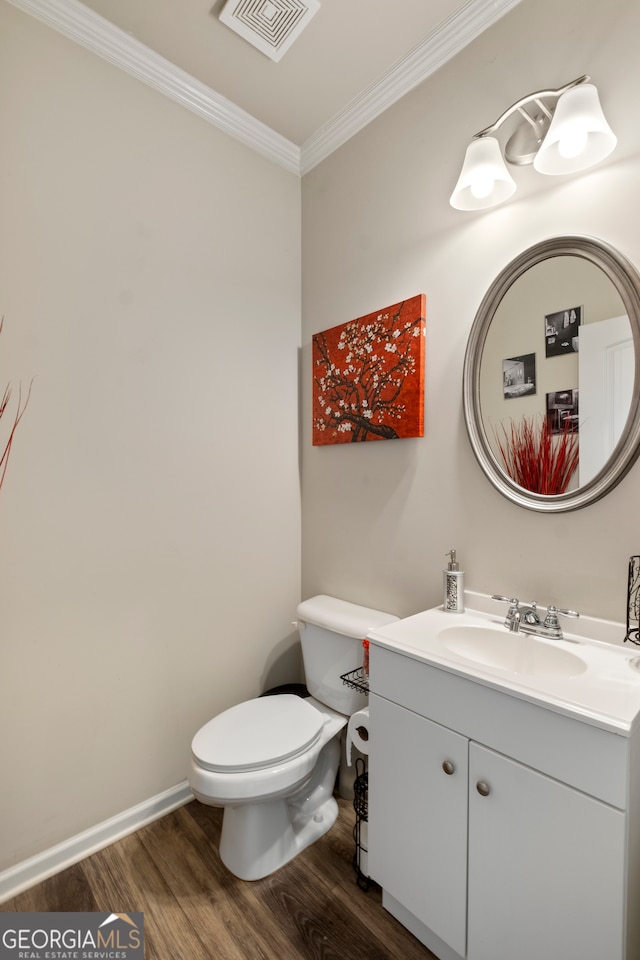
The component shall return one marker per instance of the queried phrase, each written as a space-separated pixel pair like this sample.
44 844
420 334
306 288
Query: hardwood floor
311 909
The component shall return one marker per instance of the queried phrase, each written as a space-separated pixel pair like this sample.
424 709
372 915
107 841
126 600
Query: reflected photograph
519 376
562 411
561 331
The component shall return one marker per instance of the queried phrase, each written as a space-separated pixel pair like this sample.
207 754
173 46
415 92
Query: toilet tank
331 634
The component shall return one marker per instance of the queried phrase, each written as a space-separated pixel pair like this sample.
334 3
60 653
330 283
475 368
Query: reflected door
606 364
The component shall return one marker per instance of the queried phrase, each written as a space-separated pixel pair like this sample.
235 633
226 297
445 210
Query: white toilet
272 762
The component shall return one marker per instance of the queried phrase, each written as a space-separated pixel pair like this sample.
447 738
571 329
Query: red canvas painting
368 376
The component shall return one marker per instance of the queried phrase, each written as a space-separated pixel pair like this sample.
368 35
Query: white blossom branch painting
368 376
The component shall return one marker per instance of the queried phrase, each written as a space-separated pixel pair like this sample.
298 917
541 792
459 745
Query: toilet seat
257 734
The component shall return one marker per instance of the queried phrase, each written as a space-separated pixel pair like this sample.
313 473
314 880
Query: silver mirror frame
626 280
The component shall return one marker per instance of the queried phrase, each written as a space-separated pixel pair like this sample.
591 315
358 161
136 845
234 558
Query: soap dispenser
453 585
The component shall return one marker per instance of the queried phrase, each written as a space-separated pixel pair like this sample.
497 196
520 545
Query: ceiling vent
269 25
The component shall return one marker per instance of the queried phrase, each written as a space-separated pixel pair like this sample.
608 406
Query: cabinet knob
448 767
483 788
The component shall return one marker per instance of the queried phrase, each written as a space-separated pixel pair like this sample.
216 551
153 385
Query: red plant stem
4 459
6 453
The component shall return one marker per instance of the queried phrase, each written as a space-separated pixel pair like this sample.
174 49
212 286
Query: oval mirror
551 383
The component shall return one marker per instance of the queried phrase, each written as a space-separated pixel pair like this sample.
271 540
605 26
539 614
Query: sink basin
514 652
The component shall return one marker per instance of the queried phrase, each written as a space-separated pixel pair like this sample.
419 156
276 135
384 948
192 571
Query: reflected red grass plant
536 458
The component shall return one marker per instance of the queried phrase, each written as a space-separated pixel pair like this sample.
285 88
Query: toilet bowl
272 762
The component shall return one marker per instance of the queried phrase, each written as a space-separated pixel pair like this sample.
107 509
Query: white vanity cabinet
498 829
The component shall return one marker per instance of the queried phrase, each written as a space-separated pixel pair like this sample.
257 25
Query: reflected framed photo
561 331
562 411
519 376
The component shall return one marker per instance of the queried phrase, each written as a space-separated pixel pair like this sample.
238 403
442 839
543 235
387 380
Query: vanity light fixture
560 131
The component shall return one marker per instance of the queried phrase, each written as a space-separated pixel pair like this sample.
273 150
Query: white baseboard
36 869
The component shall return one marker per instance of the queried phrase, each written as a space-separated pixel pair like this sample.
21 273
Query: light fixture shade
579 136
484 180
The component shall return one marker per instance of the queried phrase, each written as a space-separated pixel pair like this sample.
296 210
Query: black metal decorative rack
633 601
358 680
361 807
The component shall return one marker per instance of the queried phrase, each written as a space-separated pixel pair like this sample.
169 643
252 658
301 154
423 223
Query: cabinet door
418 817
546 867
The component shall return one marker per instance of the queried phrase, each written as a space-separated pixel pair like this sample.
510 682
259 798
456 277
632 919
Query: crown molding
101 37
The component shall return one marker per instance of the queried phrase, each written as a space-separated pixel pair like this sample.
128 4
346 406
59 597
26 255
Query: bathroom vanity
504 787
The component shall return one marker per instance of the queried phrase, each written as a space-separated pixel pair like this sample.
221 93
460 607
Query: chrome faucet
526 619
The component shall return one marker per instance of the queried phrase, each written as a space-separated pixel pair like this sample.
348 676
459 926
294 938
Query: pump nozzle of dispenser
453 564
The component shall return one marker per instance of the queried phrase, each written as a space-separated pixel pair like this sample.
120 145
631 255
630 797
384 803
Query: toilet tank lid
339 616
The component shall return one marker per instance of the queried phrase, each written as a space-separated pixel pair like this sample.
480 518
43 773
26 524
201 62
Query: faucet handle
513 617
569 613
551 619
551 624
514 603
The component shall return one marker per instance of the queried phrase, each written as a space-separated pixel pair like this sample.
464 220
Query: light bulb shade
579 136
484 180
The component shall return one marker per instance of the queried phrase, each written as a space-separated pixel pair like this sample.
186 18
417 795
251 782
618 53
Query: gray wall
149 521
377 227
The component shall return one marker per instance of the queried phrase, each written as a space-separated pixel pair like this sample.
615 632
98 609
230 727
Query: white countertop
605 694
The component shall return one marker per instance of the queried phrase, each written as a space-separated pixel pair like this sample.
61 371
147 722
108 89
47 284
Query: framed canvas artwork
368 376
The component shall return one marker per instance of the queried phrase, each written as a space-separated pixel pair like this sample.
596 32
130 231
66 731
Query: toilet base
259 838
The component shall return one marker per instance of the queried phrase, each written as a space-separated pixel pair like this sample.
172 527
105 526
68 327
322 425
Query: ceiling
351 61
343 50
